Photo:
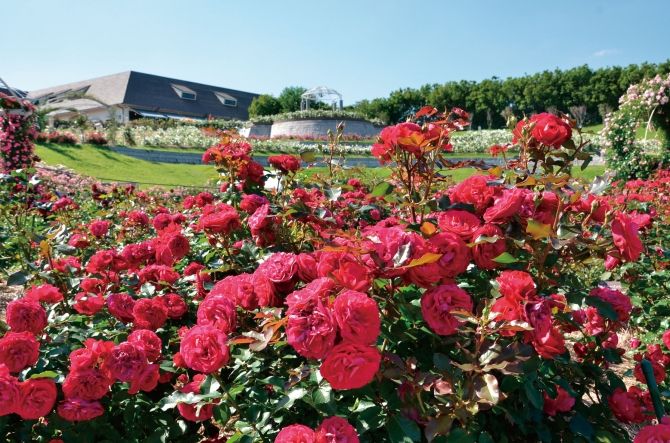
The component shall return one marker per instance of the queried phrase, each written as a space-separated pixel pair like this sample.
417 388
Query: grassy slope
100 162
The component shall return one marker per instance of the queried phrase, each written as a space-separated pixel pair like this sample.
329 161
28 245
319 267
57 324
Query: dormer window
225 99
184 93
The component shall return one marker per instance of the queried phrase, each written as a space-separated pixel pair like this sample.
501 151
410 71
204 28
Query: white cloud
605 52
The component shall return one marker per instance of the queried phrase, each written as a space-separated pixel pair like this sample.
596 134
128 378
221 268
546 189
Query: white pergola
321 94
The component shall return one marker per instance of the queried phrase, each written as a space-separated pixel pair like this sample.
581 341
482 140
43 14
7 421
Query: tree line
587 94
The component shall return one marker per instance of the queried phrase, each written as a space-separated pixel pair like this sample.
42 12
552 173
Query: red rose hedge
334 309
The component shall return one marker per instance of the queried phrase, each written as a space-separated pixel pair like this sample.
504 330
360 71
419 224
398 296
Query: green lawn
103 164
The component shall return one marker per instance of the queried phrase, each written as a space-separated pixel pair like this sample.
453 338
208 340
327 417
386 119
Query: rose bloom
627 406
121 307
44 293
88 303
149 341
149 313
285 163
175 304
158 274
190 412
145 380
546 339
170 248
99 228
392 246
346 269
626 237
76 409
125 361
18 350
550 130
306 267
357 316
86 384
251 202
9 391
280 267
437 304
505 206
484 252
222 222
218 311
26 315
37 398
204 349
659 433
311 327
295 434
350 365
474 191
459 222
619 301
248 291
336 430
454 259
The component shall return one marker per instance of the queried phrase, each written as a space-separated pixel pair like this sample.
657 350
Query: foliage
290 98
596 89
646 102
413 309
264 105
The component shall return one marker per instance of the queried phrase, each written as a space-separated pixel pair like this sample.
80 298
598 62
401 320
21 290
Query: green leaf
382 189
287 401
403 430
308 157
605 309
580 426
538 230
18 279
534 396
459 436
221 414
45 374
505 258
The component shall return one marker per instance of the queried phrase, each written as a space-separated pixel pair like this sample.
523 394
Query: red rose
37 398
454 259
204 349
149 313
280 267
546 339
190 412
437 305
619 301
550 130
346 269
126 360
145 380
336 430
99 228
311 327
626 237
170 248
26 315
357 316
350 365
306 267
285 163
251 202
149 341
657 368
659 433
175 305
459 222
76 409
474 191
78 241
88 303
159 274
505 206
247 290
485 251
9 391
44 293
563 402
121 307
516 284
86 384
627 406
295 434
221 222
18 350
218 311
321 287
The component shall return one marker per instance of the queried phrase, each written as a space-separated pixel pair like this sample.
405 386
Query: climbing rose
204 349
350 365
295 434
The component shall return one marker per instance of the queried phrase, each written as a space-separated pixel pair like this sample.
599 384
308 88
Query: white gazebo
321 94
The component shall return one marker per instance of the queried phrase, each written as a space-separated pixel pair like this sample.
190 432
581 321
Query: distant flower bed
62 138
313 114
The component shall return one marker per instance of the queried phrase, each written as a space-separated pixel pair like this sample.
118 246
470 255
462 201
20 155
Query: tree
264 105
290 98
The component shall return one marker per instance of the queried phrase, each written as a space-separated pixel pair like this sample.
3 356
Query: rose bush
331 309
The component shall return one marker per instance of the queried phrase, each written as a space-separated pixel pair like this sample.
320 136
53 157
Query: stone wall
320 127
257 131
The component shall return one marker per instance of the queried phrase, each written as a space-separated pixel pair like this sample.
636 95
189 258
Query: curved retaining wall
320 127
257 131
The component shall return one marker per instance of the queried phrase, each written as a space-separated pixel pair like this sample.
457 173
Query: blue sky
364 49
